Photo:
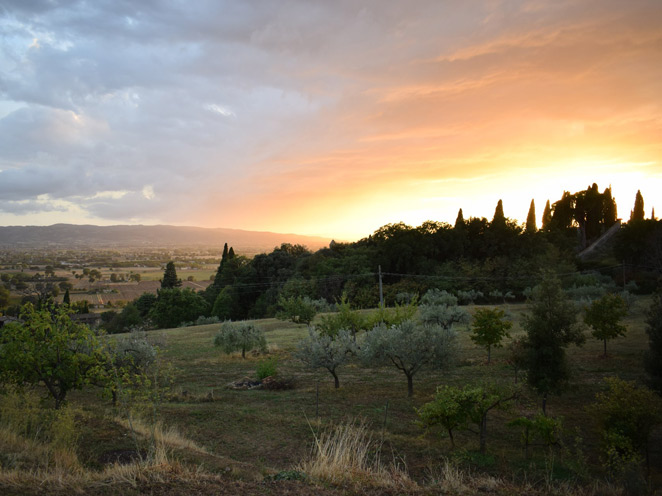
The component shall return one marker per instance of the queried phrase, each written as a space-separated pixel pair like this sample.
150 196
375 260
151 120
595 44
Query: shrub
267 368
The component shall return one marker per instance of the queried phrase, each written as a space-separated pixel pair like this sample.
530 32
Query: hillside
74 236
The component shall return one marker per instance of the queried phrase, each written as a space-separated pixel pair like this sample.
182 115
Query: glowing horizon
325 119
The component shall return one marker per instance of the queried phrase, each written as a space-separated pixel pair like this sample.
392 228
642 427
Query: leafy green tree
489 329
447 410
637 212
170 280
545 430
531 219
345 318
174 306
226 305
653 360
123 321
604 317
144 303
319 350
48 348
298 309
409 347
4 297
80 307
626 415
240 336
456 408
551 327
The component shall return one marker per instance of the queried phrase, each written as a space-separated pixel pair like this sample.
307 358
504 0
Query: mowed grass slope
274 429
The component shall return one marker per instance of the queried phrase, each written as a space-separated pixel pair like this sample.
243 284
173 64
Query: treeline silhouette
479 259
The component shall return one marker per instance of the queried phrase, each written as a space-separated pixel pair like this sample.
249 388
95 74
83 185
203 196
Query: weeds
347 453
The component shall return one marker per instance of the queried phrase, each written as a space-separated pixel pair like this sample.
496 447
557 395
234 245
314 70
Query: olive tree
48 348
410 346
320 350
441 308
240 336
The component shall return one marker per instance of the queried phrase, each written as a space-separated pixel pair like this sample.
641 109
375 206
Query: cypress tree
531 219
67 299
547 217
459 222
231 253
609 212
638 212
170 277
499 218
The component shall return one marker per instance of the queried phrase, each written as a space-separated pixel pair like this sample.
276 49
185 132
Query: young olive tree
131 357
604 317
240 336
48 348
409 347
328 352
441 308
489 329
551 327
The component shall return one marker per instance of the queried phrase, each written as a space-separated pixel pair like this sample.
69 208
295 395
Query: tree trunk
336 382
410 385
605 343
489 354
483 434
59 399
450 434
544 404
243 353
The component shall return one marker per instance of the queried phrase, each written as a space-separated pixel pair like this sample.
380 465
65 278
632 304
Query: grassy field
251 424
260 432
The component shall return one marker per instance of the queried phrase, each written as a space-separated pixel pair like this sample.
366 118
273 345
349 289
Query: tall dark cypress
638 212
499 218
546 217
531 226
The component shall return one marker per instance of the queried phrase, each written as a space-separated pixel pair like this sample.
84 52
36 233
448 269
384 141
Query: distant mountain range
126 236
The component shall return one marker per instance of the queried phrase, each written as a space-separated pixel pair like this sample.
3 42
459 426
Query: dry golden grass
347 453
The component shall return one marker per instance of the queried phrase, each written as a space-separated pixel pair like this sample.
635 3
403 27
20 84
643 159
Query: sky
327 118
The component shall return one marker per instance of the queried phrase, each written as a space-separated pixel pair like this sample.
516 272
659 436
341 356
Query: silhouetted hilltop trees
476 259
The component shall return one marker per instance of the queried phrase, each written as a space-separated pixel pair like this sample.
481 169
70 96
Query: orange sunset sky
324 118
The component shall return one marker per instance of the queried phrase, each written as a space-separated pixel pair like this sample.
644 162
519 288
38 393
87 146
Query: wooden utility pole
381 291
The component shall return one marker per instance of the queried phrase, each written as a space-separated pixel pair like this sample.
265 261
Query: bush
267 368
